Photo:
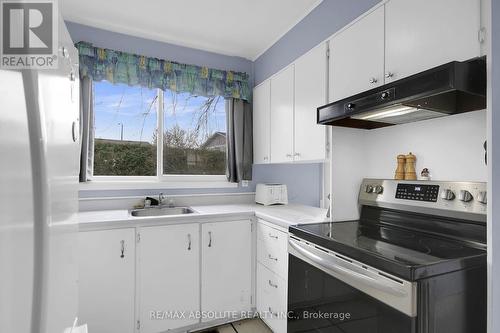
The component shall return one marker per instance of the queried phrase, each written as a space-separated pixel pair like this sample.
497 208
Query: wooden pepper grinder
400 170
410 161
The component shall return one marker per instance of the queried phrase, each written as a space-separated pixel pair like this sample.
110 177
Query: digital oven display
417 192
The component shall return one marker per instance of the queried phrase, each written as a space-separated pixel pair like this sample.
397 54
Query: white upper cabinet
310 93
169 275
357 57
282 88
427 33
261 123
226 266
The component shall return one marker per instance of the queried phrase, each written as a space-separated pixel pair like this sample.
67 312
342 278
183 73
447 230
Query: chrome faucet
161 198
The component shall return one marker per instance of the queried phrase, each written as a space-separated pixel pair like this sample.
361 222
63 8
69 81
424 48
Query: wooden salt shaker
400 170
410 161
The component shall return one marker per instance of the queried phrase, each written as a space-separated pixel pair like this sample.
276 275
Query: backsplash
304 183
450 147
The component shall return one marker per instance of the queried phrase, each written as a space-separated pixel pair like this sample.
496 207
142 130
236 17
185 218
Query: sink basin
164 211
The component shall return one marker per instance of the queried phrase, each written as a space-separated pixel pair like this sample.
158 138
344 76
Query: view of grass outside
126 134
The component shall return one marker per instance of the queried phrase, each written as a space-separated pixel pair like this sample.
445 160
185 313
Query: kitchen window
143 134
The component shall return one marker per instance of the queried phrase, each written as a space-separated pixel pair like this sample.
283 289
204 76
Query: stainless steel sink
163 211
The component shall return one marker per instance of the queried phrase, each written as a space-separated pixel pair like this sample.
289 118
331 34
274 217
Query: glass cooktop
403 252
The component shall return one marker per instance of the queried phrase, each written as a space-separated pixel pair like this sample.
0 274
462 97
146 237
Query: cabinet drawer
274 237
272 249
272 299
273 257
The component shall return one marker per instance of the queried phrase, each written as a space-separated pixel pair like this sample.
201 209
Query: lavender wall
304 183
326 19
304 180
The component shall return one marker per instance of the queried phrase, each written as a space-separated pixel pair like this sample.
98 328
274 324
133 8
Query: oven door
328 292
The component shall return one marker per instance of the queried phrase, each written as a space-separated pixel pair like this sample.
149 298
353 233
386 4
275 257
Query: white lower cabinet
168 276
226 250
107 280
159 278
272 249
272 299
272 275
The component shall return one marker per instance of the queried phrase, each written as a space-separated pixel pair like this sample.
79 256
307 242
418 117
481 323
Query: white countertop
282 216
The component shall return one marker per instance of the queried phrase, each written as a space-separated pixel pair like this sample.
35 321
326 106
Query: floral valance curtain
120 67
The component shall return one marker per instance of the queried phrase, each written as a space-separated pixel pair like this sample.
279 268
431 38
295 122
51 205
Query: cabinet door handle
272 284
209 239
373 80
272 236
289 155
272 258
189 242
122 246
272 313
389 75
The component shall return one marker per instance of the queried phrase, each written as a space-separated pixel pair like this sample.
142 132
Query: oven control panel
464 200
418 192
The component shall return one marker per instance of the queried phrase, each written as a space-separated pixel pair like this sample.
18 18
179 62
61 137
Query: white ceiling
244 28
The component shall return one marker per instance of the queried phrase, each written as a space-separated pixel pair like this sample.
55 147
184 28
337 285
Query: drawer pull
272 284
272 236
272 258
122 249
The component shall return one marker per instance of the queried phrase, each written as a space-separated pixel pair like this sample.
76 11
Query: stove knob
378 189
369 189
483 197
447 195
465 196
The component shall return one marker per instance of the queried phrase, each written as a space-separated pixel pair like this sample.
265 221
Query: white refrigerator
39 163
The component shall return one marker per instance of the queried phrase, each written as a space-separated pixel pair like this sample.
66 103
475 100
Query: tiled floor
243 326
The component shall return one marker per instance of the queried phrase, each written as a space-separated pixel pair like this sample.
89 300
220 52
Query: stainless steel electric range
415 261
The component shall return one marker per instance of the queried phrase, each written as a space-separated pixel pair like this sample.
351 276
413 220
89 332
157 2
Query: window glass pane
125 130
194 138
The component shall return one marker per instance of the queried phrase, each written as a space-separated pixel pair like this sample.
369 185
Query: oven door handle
338 266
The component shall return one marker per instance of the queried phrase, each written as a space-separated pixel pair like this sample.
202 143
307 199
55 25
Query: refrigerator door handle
75 131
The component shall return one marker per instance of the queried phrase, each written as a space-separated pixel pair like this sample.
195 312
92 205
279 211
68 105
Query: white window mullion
159 141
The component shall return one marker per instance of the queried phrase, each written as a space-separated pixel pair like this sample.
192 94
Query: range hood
452 88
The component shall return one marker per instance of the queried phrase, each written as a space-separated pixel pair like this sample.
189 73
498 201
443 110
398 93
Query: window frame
161 180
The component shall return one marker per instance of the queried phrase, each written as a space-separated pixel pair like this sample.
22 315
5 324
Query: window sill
151 184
